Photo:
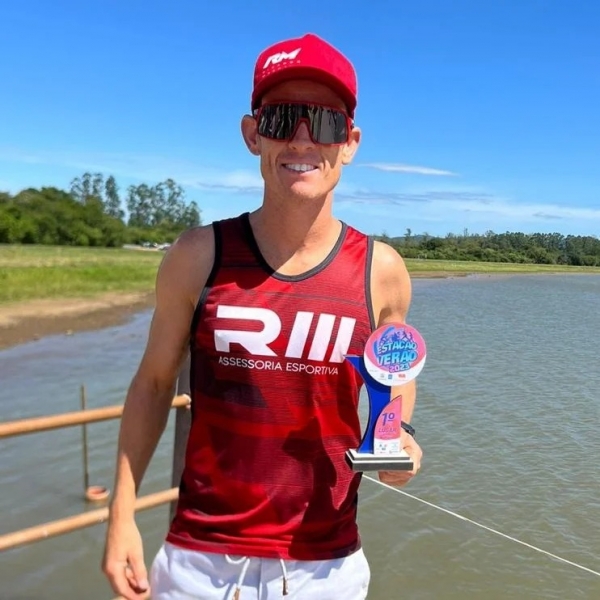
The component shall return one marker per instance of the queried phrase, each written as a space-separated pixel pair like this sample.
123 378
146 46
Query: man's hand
123 562
399 478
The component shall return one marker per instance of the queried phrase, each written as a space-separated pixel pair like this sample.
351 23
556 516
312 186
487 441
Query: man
267 304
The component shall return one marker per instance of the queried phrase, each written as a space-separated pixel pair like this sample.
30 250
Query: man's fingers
139 573
414 451
123 562
395 477
126 581
416 463
120 583
400 478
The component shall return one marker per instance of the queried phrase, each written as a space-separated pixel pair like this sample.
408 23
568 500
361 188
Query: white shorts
178 574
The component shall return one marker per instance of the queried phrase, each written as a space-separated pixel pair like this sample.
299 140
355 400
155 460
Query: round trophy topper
395 354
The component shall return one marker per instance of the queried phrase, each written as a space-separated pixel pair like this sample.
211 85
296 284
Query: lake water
508 415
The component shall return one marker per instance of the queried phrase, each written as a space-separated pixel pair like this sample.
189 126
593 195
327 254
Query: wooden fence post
182 428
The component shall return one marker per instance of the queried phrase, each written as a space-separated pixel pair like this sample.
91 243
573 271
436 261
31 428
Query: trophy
394 354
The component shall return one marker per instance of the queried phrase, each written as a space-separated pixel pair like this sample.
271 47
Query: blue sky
477 114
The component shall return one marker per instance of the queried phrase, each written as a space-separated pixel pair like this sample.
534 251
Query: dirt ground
28 321
32 320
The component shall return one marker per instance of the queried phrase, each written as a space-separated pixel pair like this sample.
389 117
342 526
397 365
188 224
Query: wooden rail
86 519
80 521
181 402
79 417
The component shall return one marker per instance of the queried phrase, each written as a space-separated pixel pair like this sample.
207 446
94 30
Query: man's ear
250 134
350 148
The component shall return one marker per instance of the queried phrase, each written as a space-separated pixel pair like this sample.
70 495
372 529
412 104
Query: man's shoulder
192 252
386 259
388 265
391 287
191 239
387 256
188 262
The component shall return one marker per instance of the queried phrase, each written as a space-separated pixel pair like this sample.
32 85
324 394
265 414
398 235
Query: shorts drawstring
284 571
246 562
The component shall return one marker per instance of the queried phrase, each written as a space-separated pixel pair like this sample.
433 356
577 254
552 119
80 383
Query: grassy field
39 272
465 267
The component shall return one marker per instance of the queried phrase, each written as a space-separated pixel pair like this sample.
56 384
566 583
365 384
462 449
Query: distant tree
91 214
191 216
112 201
516 247
97 185
384 237
139 205
161 206
85 186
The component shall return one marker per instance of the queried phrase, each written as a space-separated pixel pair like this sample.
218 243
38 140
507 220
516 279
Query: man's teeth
299 167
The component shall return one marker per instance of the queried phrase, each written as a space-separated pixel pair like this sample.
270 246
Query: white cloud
439 203
433 205
439 206
413 169
237 182
143 168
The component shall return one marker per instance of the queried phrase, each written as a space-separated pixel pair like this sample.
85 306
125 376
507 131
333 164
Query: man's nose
301 137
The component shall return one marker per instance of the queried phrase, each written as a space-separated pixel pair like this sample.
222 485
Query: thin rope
504 535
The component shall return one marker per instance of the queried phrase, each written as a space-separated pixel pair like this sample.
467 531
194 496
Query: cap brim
309 73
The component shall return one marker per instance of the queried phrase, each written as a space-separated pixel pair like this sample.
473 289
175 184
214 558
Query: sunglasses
326 125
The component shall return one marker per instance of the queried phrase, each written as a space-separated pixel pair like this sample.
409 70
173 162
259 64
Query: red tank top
274 405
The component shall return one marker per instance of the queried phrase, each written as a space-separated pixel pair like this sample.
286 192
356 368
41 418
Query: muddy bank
29 321
32 320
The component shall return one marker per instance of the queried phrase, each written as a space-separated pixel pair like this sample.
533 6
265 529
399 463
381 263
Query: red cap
308 57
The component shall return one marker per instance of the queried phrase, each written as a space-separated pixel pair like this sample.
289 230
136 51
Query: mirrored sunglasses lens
279 121
329 126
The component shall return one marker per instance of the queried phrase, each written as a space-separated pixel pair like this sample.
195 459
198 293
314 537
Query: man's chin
305 192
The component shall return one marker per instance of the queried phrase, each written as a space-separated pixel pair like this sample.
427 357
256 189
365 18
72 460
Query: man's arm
391 293
181 277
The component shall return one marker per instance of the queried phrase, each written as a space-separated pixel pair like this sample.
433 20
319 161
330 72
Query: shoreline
32 320
35 319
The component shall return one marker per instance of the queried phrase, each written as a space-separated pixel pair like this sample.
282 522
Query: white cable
504 535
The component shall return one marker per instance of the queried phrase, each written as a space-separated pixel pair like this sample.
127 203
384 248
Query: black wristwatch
408 428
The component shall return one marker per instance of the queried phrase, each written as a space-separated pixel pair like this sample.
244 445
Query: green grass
40 272
460 267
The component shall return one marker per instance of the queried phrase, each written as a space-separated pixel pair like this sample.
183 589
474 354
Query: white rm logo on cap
277 58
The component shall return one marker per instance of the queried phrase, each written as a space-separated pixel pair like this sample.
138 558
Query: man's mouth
299 167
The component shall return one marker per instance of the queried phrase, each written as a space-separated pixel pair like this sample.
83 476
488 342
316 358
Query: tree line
91 213
509 247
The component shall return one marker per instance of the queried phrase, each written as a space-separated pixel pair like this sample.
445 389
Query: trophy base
360 461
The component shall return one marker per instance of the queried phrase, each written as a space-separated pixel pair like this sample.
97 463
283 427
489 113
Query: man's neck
298 233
